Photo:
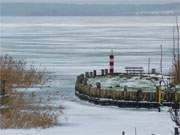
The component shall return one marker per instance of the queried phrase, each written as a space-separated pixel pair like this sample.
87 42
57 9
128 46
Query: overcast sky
97 1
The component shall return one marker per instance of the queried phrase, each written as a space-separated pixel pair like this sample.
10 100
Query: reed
16 73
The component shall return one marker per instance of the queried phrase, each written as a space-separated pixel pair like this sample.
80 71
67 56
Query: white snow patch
85 119
133 83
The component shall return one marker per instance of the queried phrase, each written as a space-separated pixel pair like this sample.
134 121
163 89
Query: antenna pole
178 51
174 46
149 65
161 61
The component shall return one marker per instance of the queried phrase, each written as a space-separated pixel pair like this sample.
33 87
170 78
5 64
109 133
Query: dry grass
16 73
14 118
18 114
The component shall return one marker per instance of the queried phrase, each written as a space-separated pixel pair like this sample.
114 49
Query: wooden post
161 61
139 95
91 74
176 131
87 74
102 72
149 65
81 78
178 50
159 98
153 71
85 81
125 92
106 71
94 73
176 100
135 131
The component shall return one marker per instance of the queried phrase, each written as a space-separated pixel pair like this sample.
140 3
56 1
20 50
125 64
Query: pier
124 96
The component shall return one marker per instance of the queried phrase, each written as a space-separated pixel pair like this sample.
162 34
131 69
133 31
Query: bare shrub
13 118
18 74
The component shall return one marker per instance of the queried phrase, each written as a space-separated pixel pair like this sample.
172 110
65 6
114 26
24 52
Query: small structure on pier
134 70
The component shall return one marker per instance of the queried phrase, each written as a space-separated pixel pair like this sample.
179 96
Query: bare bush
18 74
13 118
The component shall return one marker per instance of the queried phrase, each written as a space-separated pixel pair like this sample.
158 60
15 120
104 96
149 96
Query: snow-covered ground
147 82
82 118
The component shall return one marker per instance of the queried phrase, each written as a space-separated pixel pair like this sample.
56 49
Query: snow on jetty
132 82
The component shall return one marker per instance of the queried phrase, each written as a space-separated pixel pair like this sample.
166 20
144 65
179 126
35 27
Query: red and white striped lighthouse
111 62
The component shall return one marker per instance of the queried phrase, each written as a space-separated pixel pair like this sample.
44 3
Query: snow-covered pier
95 88
133 88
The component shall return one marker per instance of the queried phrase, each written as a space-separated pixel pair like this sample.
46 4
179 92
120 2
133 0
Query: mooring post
87 74
159 97
102 72
123 133
106 71
139 95
81 78
153 71
125 92
176 131
91 74
176 99
94 73
85 81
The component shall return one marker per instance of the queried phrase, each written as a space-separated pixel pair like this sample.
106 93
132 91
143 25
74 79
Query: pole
175 66
161 61
174 47
94 73
176 132
149 65
178 51
135 131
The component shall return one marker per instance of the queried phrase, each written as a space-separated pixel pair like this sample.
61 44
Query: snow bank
82 118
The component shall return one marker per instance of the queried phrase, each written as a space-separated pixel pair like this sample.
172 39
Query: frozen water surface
68 46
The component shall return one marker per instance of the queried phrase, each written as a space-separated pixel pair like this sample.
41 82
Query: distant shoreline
60 9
